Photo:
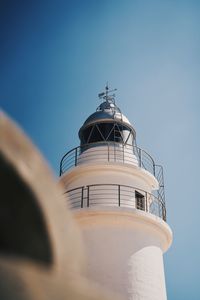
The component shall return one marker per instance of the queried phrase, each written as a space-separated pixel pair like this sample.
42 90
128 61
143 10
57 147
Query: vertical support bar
108 152
154 169
146 201
123 153
88 196
76 157
140 158
119 198
164 215
61 168
82 191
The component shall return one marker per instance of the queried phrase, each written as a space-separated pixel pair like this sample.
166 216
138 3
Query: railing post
76 157
164 214
114 152
88 196
119 198
108 152
123 153
154 169
61 168
82 191
140 157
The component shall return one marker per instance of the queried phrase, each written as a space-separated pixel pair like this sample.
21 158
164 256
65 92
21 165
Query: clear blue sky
56 56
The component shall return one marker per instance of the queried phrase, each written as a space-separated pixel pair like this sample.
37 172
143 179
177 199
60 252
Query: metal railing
110 152
115 195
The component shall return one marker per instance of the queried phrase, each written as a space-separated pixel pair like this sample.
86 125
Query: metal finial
106 95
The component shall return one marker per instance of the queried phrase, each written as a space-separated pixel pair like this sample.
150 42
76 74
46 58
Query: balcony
108 152
112 152
114 195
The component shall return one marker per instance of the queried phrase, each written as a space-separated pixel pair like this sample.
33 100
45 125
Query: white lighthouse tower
116 192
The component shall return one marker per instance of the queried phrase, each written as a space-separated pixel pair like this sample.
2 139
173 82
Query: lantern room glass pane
109 132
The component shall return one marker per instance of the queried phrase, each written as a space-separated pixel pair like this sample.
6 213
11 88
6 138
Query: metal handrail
145 161
116 195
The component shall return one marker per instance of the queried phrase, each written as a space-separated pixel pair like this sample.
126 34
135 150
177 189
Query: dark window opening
139 200
92 135
106 130
86 135
109 132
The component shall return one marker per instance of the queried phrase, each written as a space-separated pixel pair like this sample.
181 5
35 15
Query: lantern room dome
107 111
107 123
107 115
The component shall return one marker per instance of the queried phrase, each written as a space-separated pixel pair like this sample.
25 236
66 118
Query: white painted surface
147 274
108 153
112 173
124 249
122 118
124 252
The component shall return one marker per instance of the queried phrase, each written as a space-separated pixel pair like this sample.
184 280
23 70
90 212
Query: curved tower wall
124 251
105 178
108 153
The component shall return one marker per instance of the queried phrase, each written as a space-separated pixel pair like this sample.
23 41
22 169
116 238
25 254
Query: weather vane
106 95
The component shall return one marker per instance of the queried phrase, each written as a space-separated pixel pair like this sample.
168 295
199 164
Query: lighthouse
116 192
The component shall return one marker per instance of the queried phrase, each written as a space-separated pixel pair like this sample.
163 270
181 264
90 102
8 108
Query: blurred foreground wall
41 252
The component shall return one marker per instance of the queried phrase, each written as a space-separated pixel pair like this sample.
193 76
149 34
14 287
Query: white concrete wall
147 274
110 173
123 249
108 153
124 252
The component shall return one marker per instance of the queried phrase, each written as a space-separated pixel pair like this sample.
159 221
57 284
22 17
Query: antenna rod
107 89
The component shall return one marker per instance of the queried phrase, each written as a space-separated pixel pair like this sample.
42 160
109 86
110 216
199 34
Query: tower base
124 250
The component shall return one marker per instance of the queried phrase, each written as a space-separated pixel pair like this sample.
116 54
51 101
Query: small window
139 201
